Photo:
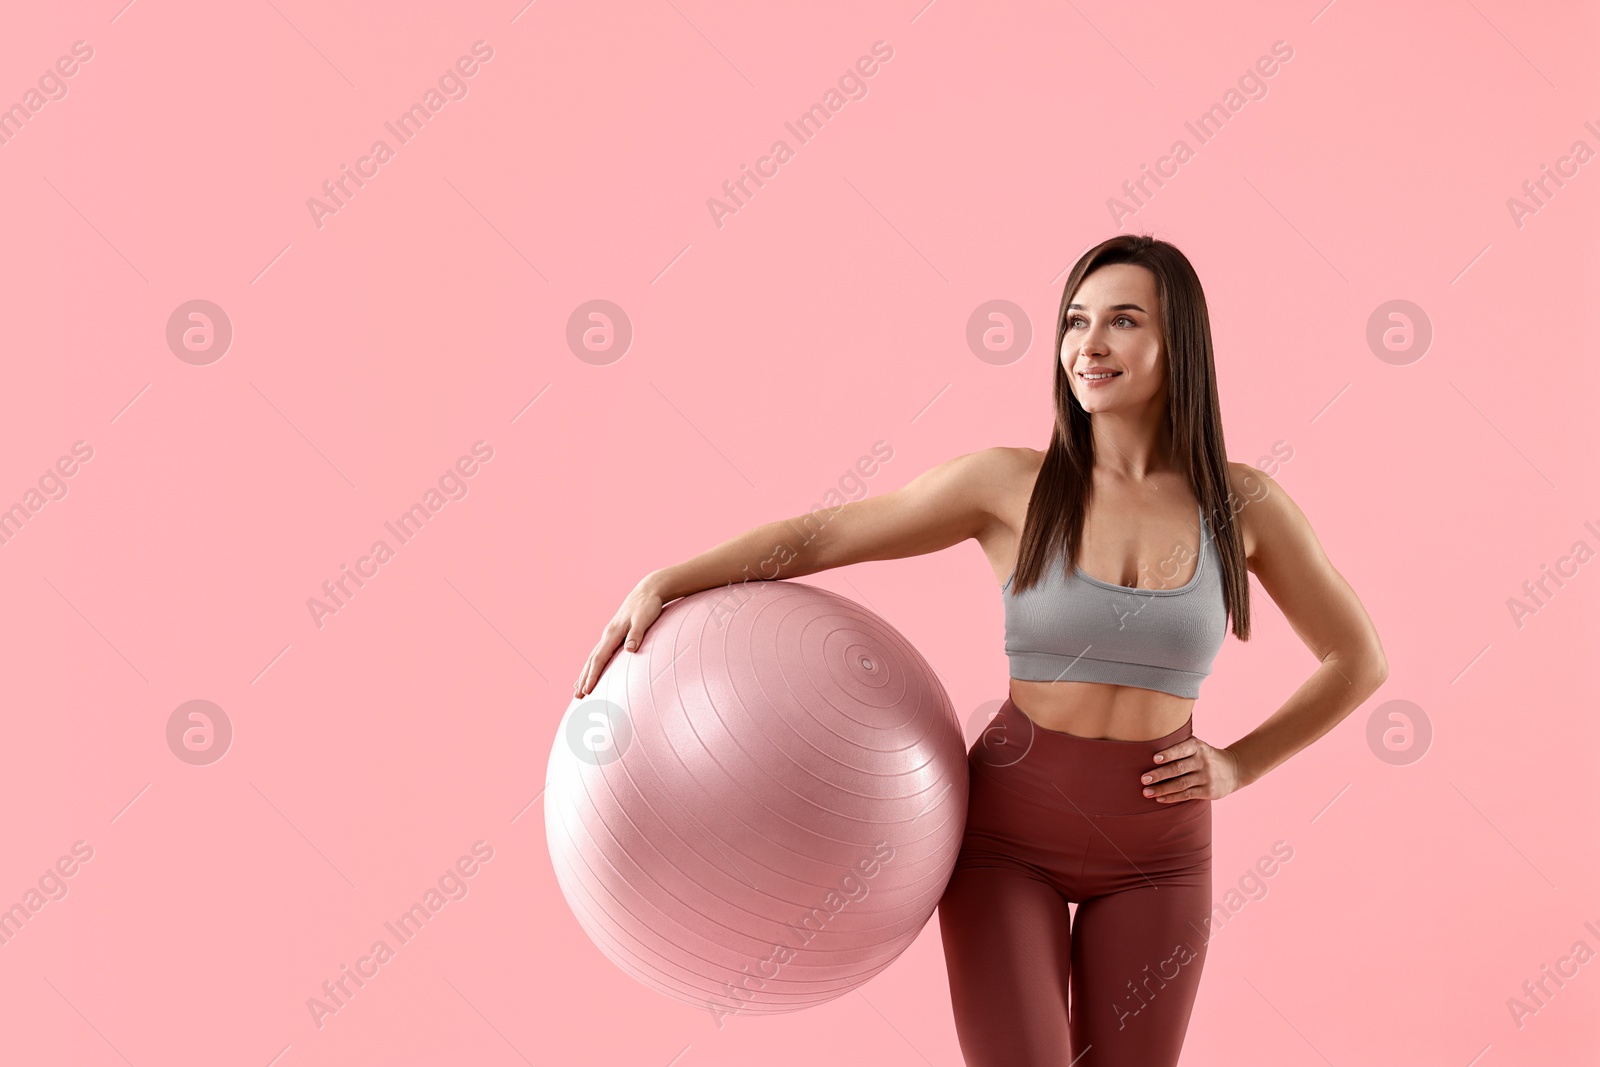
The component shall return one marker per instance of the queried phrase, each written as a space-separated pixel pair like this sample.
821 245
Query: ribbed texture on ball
781 807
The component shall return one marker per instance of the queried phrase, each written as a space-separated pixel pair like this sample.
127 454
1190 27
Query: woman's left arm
1284 554
1288 561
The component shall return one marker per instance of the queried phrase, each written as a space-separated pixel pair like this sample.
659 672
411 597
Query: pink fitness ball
759 809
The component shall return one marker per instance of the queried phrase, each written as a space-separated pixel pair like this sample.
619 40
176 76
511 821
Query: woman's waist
1100 711
1089 774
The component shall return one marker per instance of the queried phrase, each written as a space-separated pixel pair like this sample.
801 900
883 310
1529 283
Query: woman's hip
1094 776
1049 799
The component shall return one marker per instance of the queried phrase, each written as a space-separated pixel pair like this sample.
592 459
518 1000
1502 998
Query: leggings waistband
1095 775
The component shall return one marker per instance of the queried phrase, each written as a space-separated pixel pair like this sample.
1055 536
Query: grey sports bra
1077 628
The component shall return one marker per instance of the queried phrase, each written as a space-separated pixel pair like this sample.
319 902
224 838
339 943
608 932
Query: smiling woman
1129 548
1109 644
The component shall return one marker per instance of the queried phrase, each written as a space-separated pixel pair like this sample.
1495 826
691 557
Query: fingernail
1160 758
1146 779
1149 792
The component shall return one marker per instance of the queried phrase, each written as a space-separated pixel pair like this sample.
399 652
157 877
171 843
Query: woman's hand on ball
632 619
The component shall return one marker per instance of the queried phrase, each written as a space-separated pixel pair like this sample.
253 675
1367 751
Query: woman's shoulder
997 479
1261 505
1014 469
1018 459
1001 461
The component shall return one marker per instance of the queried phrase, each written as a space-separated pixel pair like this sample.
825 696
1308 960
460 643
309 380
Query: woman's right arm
940 507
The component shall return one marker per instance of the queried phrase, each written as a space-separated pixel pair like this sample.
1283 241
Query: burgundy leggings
1051 818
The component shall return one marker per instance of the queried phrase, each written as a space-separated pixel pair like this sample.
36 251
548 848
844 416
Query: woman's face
1114 326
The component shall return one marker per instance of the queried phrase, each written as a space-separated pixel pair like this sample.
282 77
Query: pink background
768 354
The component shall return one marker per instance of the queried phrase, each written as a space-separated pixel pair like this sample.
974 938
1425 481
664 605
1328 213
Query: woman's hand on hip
1191 770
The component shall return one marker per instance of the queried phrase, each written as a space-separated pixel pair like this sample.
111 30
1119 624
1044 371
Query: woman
1122 550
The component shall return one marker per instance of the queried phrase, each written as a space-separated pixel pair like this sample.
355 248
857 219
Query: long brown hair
1056 509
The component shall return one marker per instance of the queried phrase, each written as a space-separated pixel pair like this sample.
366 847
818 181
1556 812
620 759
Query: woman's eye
1120 318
